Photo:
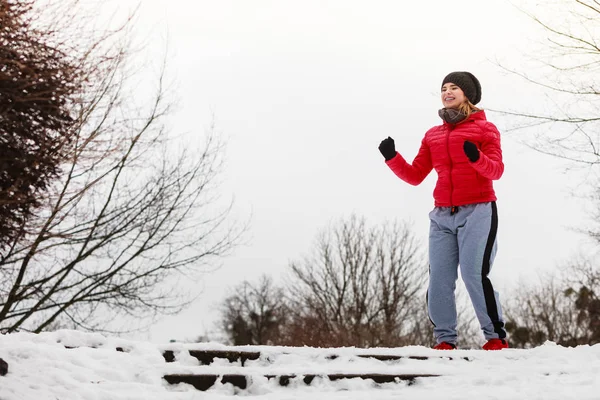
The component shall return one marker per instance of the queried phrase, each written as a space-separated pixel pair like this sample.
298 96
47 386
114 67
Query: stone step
206 381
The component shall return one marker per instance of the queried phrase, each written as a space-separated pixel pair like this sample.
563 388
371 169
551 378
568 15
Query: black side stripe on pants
427 300
488 290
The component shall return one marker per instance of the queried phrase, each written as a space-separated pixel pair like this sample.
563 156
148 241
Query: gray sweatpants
467 238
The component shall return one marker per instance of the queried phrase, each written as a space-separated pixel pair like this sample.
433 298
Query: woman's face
452 95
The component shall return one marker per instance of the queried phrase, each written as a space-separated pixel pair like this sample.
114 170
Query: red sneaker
495 344
444 346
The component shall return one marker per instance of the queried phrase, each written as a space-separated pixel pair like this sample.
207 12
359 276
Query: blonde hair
468 108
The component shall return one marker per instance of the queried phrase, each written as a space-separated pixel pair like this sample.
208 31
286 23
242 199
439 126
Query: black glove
471 151
387 148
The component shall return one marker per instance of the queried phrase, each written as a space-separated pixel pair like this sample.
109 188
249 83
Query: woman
465 152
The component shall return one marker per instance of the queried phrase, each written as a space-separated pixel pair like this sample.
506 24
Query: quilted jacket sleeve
416 172
490 163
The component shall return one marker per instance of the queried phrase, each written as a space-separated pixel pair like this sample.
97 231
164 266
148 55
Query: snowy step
207 357
204 382
245 367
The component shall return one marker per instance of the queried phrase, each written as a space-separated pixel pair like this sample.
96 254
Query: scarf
451 115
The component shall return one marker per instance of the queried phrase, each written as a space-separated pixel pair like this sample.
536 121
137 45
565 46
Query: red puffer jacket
459 181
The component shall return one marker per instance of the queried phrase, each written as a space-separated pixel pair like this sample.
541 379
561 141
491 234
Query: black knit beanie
468 84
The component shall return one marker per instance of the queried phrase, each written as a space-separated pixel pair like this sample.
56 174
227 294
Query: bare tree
563 308
134 208
38 83
565 67
363 286
255 313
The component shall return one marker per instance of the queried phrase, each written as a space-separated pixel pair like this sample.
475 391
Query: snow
69 365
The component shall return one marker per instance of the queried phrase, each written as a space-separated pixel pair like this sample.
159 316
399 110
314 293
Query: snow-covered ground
46 366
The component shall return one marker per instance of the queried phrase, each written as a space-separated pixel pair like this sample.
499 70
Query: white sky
41 368
306 90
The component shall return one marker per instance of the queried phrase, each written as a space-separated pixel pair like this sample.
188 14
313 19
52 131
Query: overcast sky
306 90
